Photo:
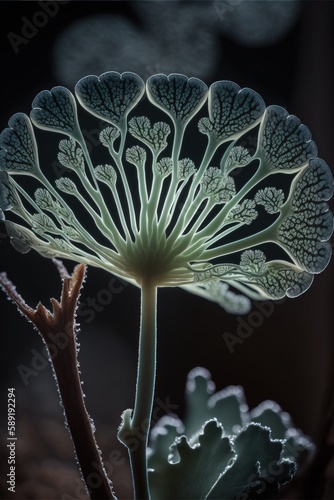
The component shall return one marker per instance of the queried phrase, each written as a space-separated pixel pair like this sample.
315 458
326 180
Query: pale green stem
83 146
110 255
106 225
265 236
218 222
191 251
192 204
141 175
30 200
117 156
248 290
178 136
211 147
157 182
209 205
181 246
140 421
178 192
223 234
81 256
100 222
224 158
120 212
153 203
95 194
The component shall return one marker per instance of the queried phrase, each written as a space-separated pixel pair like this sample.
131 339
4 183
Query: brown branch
58 331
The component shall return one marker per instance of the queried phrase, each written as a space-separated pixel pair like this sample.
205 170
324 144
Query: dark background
288 357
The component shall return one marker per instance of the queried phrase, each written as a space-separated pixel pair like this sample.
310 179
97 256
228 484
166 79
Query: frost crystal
271 198
164 166
106 173
176 219
244 212
71 156
253 261
238 157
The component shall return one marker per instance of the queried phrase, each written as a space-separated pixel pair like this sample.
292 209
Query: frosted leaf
315 183
257 455
71 155
253 261
232 111
205 126
304 229
111 96
244 212
108 135
139 127
177 95
276 279
284 143
23 239
271 198
43 199
42 223
136 155
106 174
282 279
270 414
212 181
66 185
263 453
56 110
8 195
165 166
155 137
19 152
238 157
199 388
227 191
198 467
228 406
159 135
20 237
186 168
162 435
